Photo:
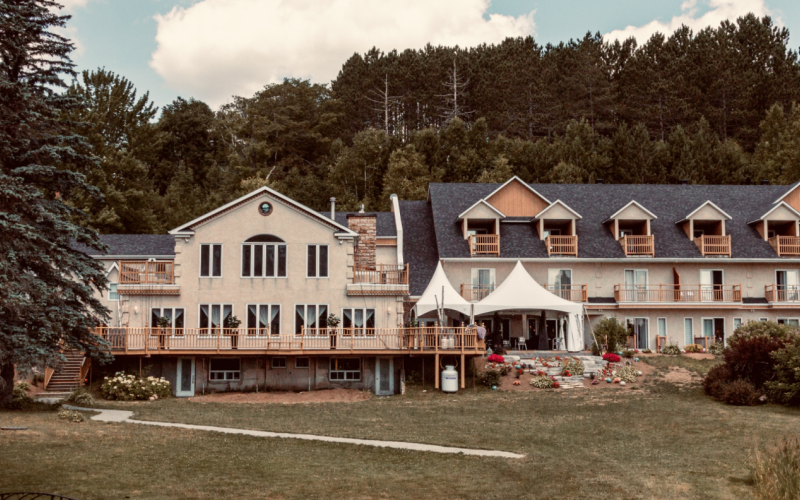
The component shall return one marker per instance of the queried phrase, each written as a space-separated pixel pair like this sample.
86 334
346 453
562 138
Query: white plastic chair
521 344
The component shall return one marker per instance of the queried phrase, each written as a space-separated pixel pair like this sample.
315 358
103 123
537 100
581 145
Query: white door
787 282
384 376
636 285
185 381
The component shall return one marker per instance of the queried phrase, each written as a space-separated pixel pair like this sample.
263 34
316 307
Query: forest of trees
717 106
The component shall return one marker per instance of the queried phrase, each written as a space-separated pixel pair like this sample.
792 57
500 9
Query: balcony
638 245
421 340
786 246
143 277
714 245
562 245
484 244
474 293
782 293
383 280
575 293
678 293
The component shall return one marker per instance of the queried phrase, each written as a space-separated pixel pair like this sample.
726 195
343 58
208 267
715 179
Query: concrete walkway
125 416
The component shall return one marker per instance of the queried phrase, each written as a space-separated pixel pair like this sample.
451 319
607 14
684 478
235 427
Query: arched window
264 256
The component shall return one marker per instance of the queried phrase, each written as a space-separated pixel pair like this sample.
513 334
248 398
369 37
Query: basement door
384 376
185 386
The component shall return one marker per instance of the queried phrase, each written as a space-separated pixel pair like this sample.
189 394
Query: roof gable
556 204
702 212
791 196
481 209
780 208
189 227
517 199
630 209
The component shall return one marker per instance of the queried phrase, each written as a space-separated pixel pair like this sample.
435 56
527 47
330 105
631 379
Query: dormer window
705 225
780 226
630 225
557 227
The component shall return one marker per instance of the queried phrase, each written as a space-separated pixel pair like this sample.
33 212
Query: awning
521 291
452 299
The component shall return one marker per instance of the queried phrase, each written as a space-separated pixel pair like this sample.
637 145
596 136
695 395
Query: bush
716 379
739 393
505 370
490 378
749 350
627 353
413 377
81 397
693 348
611 357
542 382
574 366
612 332
596 349
131 388
22 385
671 349
786 388
717 348
776 470
70 416
646 351
496 358
628 374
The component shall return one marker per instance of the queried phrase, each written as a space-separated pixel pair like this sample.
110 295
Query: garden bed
285 397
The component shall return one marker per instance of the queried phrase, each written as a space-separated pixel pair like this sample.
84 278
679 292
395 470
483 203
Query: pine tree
48 301
407 176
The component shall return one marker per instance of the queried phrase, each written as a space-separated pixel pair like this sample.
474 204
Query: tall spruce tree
47 303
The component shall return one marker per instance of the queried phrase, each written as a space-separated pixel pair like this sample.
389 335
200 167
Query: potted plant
162 325
333 323
231 325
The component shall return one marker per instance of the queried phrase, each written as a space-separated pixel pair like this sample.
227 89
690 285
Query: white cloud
218 48
719 10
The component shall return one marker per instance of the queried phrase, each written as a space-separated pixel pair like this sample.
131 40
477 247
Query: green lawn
659 443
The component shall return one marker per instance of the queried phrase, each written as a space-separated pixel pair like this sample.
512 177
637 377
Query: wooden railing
136 272
475 292
714 245
562 245
660 343
638 245
786 245
575 293
782 293
678 293
163 340
383 275
48 374
85 365
484 244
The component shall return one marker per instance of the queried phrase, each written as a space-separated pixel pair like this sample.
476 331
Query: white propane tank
449 379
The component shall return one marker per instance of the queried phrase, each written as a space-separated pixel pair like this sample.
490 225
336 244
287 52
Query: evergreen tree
48 302
407 176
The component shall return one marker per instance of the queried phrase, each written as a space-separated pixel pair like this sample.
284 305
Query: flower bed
611 357
496 358
123 387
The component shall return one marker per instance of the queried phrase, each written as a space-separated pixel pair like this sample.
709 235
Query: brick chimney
366 227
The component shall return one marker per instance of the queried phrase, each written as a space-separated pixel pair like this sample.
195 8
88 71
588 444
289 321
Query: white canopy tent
521 291
451 300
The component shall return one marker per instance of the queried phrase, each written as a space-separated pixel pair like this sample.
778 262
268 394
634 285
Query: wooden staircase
68 376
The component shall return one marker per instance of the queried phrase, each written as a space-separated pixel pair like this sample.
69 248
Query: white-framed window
175 315
263 319
210 260
789 321
662 327
636 285
483 283
787 285
345 369
356 320
640 329
711 284
763 320
559 281
113 295
317 261
220 369
737 322
688 331
263 260
212 317
278 362
301 363
311 316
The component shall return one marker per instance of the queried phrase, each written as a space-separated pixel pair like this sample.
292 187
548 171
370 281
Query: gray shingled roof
384 221
419 244
133 244
596 202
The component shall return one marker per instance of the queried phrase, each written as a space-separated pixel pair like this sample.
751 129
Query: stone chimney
366 227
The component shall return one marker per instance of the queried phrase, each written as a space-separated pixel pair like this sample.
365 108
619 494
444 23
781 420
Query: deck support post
436 385
463 383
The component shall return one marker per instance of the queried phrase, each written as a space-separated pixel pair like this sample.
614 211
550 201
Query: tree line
716 106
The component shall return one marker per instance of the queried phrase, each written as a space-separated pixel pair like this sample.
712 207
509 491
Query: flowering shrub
627 374
131 388
70 416
627 353
717 348
611 357
542 382
671 349
496 358
490 378
693 348
505 370
573 366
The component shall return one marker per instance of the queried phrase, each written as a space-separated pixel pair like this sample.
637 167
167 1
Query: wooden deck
484 244
345 341
638 245
786 246
142 272
562 245
782 293
714 245
678 293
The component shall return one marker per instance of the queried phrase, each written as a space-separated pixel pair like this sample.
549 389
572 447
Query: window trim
764 320
364 328
666 326
788 318
172 326
475 273
308 363
211 261
225 379
691 322
741 323
251 244
713 318
327 258
345 372
115 292
269 313
649 331
272 363
221 305
305 314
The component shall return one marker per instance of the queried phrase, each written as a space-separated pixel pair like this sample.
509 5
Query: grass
700 366
603 444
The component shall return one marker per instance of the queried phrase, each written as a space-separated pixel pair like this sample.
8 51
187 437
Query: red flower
496 358
611 357
556 385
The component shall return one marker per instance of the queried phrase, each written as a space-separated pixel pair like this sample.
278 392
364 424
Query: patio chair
521 344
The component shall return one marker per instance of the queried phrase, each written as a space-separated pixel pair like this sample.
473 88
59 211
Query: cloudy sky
213 49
